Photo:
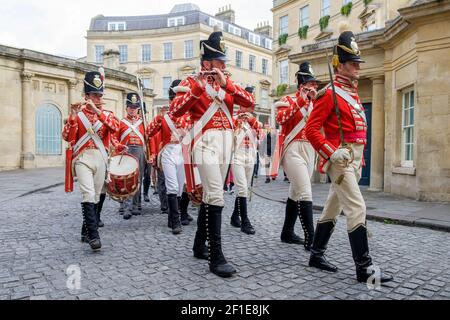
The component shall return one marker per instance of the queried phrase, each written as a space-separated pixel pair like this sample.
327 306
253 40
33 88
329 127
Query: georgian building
36 92
162 48
404 86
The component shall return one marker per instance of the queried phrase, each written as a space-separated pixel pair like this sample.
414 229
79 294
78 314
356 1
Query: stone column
27 157
73 97
377 152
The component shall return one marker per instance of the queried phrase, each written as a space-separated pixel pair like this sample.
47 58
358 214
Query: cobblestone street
141 259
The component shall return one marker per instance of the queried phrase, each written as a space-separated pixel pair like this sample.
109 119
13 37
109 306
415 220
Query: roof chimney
226 14
264 28
111 59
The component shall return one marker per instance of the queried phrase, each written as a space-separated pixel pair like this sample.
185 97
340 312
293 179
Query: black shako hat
249 89
347 49
213 48
172 93
305 73
133 100
93 82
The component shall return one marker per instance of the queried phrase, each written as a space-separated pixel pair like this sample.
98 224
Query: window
117 26
304 16
188 49
325 8
264 98
147 83
146 53
255 39
268 44
175 21
408 128
238 59
265 64
214 22
123 54
99 53
284 71
251 63
284 25
234 30
167 81
370 27
48 130
168 51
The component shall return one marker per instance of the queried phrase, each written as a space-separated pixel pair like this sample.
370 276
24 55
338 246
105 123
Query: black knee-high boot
200 250
291 214
242 209
235 219
217 262
99 207
306 219
183 205
324 230
91 225
174 214
363 262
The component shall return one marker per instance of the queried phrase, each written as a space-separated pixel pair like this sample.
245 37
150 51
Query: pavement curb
418 224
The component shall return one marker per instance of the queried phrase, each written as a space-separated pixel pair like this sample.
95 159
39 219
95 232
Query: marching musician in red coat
89 131
298 156
170 160
338 110
209 99
247 132
131 133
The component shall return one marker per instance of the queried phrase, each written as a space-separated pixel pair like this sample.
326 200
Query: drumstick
123 152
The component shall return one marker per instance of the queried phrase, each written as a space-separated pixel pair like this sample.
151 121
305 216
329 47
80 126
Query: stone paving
141 259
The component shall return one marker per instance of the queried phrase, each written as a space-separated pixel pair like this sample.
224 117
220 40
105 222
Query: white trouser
347 195
298 164
173 167
90 169
212 155
243 166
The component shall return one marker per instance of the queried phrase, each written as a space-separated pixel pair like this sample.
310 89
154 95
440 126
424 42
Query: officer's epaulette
321 92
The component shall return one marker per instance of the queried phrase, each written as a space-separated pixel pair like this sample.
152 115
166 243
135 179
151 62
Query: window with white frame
284 71
176 21
168 51
147 83
408 128
304 16
251 62
265 66
188 49
325 8
264 98
99 50
214 22
284 25
268 44
254 38
123 50
117 26
167 81
234 30
146 53
238 59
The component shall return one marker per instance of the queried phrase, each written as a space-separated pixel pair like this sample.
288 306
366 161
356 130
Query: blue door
365 178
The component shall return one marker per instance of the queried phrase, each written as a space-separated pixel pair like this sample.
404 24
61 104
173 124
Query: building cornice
25 55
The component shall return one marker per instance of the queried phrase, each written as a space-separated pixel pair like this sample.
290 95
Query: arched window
48 130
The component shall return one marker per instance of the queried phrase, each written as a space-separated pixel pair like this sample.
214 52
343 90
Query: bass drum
123 177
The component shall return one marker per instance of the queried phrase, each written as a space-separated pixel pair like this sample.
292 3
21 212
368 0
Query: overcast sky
59 27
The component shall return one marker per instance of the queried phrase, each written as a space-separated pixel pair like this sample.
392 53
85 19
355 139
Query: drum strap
172 127
132 128
91 134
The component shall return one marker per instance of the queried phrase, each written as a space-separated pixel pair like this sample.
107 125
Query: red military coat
289 115
159 125
194 99
324 116
132 138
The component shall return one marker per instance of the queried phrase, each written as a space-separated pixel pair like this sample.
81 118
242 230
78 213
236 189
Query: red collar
346 83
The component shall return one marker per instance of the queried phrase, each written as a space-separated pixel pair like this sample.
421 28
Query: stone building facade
162 48
36 92
405 87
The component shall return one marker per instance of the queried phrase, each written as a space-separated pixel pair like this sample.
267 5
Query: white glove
340 155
